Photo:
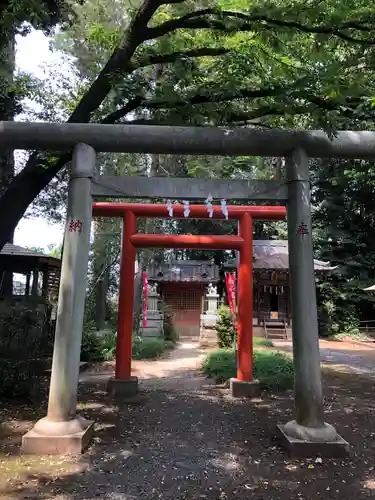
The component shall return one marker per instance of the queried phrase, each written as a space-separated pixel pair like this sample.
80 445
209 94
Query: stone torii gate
62 430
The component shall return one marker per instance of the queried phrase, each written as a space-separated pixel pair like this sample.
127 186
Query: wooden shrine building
182 286
41 273
271 280
27 313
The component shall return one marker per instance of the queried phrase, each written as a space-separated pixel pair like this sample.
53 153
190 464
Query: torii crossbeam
123 381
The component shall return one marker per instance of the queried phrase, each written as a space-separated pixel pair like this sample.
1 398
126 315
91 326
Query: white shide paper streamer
186 208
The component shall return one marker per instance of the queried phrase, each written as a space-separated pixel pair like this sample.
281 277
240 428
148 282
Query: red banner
145 299
230 280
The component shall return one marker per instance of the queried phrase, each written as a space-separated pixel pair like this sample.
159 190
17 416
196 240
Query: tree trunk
101 302
277 165
101 259
138 293
7 58
144 260
37 173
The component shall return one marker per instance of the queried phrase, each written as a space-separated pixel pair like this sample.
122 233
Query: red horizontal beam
115 209
186 241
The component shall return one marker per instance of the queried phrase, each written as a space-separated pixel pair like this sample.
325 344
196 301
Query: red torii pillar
245 305
123 383
126 299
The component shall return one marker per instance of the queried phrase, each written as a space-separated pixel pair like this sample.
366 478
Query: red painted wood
245 302
131 240
109 209
186 241
126 299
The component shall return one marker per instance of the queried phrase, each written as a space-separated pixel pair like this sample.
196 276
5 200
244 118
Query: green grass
262 342
274 369
103 347
150 348
355 335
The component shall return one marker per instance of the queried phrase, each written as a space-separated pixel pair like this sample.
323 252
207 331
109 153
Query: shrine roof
197 271
267 254
16 252
273 254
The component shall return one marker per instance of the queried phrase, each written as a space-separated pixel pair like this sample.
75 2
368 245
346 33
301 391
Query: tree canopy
273 63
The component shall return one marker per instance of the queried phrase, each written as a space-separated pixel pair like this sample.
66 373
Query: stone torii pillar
308 434
62 431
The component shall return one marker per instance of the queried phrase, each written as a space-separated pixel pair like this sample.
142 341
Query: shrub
103 347
350 334
220 364
170 333
150 348
262 342
22 379
169 344
273 369
224 327
92 344
26 345
108 345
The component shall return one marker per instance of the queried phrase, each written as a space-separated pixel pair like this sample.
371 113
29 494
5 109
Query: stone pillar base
243 389
307 442
58 438
123 388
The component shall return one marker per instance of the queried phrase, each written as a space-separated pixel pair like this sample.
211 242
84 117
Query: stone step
275 333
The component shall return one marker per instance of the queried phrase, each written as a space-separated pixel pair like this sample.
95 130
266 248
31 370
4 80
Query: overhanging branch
37 173
234 118
174 56
226 95
218 20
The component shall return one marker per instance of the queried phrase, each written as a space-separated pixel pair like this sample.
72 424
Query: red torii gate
131 241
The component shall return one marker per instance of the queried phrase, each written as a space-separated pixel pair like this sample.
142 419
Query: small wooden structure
42 272
26 317
272 304
182 285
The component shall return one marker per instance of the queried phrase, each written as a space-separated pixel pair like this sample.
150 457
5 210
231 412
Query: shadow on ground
191 441
358 357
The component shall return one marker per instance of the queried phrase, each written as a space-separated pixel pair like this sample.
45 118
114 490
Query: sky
33 56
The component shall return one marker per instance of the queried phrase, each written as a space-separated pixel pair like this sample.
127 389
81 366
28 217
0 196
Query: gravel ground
186 439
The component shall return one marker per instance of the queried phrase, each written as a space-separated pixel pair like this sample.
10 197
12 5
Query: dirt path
178 370
356 357
186 439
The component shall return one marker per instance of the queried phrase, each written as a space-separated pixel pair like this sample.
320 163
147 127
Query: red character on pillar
75 225
302 229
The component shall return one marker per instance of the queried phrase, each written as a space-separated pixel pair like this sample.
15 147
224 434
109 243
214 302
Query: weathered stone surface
208 337
186 140
120 388
58 438
298 448
308 392
241 389
154 327
180 187
325 433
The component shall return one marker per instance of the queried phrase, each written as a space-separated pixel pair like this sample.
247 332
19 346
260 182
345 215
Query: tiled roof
15 250
184 270
273 254
267 254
